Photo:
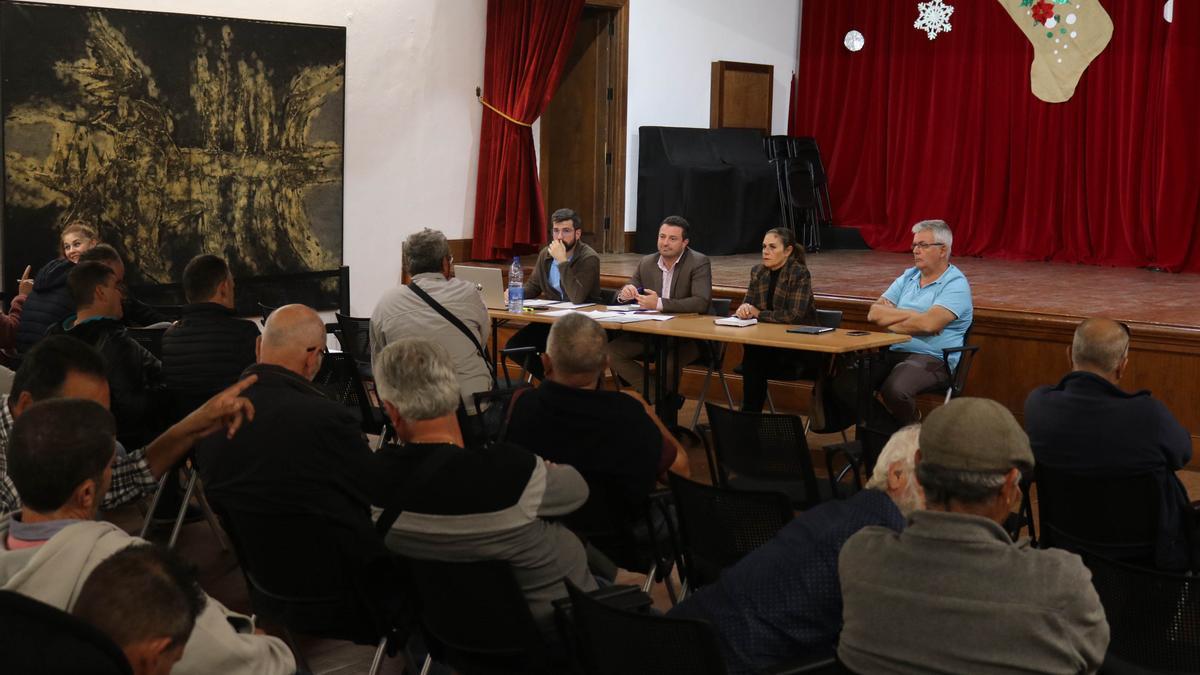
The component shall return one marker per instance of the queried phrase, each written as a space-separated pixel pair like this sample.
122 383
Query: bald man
303 453
1086 424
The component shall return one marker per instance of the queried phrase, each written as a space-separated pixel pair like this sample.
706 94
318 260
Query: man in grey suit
676 280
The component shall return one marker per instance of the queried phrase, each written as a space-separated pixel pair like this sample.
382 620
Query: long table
702 327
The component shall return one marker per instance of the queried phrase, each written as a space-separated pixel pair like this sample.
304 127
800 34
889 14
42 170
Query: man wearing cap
953 593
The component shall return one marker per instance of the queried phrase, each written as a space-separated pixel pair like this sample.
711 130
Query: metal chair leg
378 660
770 402
162 483
700 401
209 515
187 497
426 666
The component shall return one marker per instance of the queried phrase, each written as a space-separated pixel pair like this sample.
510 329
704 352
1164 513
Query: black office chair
1153 617
309 575
753 451
719 526
612 641
712 356
38 638
475 618
1112 515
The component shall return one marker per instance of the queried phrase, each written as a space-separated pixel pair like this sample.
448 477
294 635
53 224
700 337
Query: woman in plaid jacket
780 291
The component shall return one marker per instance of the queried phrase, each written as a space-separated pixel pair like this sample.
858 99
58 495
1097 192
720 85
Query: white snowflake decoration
933 17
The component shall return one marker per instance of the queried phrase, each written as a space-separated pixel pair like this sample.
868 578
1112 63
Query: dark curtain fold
912 128
527 46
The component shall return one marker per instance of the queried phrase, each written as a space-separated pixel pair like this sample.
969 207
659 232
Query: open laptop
489 281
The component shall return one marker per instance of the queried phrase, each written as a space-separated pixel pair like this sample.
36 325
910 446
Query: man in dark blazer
567 270
688 290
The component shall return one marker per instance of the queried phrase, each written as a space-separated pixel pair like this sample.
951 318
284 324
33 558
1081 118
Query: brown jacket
580 276
691 282
793 301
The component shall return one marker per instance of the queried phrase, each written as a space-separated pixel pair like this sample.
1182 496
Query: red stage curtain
912 128
527 46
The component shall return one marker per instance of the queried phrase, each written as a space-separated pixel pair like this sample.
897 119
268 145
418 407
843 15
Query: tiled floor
1126 294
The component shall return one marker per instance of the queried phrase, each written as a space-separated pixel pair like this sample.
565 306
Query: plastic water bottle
516 286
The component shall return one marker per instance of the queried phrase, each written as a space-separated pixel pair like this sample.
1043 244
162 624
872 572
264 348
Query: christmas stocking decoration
1066 35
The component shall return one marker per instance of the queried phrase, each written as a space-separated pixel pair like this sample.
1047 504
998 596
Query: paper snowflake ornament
933 17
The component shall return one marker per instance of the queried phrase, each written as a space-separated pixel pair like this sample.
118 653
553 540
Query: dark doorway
582 139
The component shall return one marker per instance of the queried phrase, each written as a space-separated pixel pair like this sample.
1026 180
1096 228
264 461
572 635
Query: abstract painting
174 135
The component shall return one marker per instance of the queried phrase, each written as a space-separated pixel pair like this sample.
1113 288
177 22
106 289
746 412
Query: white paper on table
571 305
538 303
559 312
626 317
659 317
634 307
601 316
734 321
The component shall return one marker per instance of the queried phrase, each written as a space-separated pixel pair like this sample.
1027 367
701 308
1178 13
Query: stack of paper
734 321
632 307
571 305
537 303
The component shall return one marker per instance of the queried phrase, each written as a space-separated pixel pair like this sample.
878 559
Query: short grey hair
417 377
942 485
941 232
901 447
1100 343
424 251
577 345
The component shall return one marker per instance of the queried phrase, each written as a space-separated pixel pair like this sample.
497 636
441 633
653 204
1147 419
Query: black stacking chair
719 526
753 451
1114 515
1153 617
192 486
266 311
712 356
340 379
149 338
309 575
354 334
169 312
38 638
475 618
957 374
826 318
613 641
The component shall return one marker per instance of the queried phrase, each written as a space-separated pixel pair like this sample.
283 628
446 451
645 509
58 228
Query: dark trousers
898 377
760 364
533 335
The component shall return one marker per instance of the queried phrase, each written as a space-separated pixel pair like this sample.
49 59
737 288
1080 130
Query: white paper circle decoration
854 41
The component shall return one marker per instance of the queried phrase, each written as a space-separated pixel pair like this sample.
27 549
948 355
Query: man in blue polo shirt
930 301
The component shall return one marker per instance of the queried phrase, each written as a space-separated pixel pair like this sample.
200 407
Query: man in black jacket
135 312
210 347
303 455
134 374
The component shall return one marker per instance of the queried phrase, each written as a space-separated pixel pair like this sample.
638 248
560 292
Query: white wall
672 44
412 122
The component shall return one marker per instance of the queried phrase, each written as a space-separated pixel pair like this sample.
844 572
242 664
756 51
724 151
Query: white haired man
458 503
931 302
783 600
952 592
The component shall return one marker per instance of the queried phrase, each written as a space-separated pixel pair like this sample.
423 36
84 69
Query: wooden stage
1025 315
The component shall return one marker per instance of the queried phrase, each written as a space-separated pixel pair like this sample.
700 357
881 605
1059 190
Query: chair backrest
475 617
355 337
313 575
1153 617
1114 515
266 311
763 446
611 640
150 338
720 526
169 312
340 379
829 318
720 306
38 638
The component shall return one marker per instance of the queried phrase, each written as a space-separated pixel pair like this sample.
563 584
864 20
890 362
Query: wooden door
577 132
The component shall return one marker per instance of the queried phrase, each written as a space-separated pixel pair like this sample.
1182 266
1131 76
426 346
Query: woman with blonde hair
49 301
